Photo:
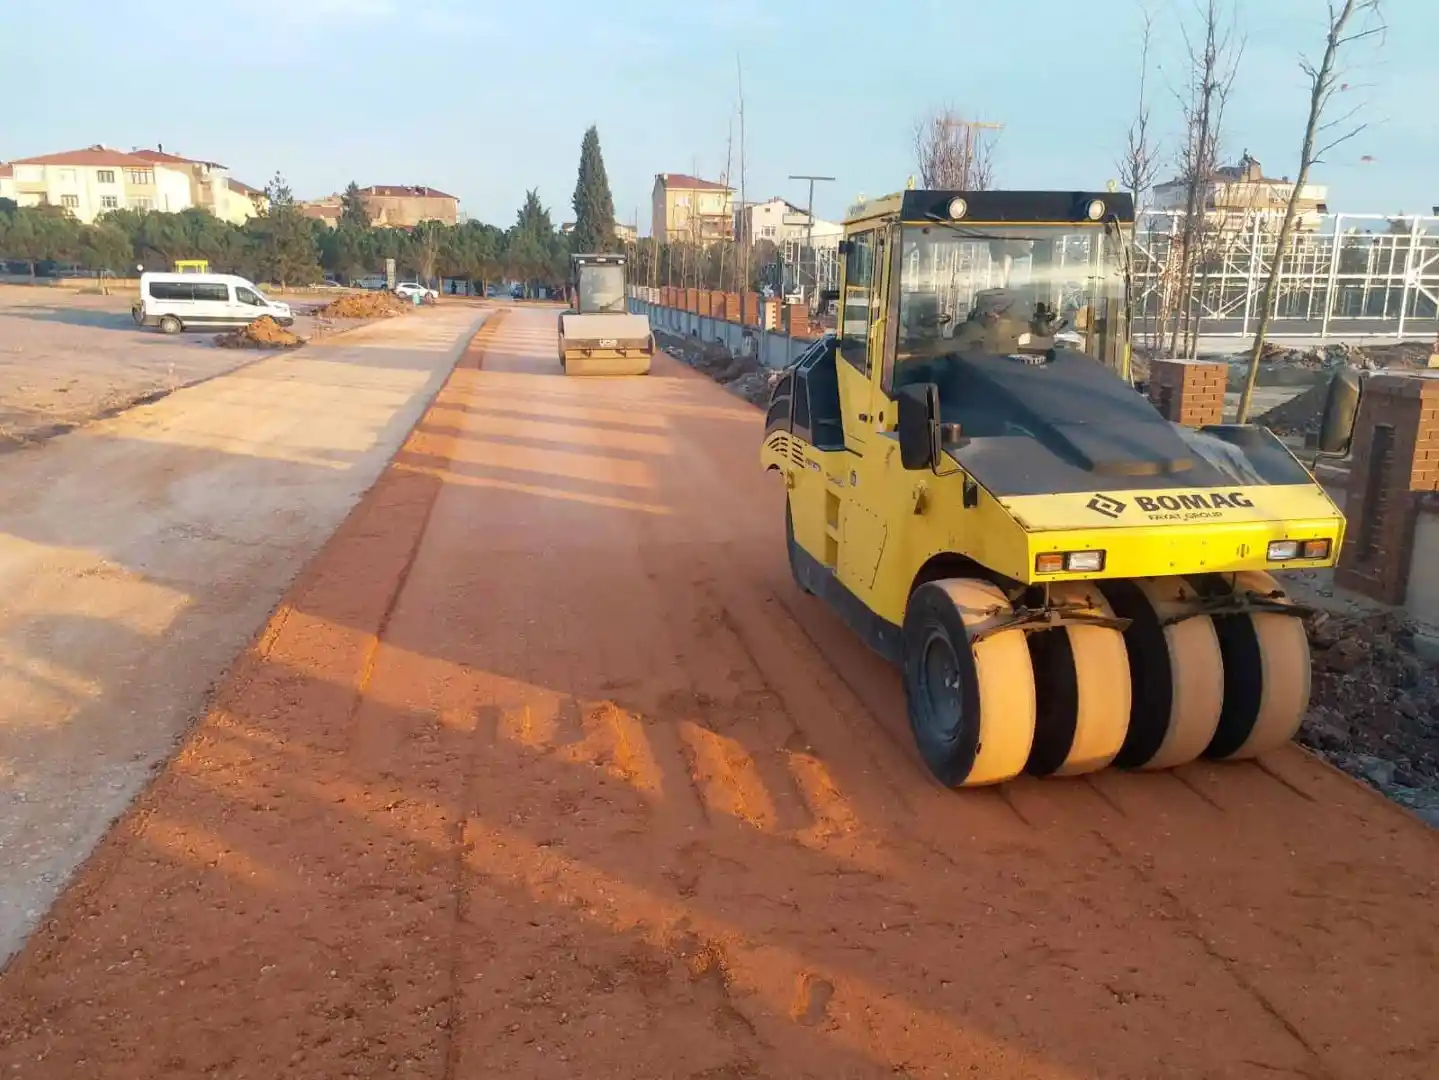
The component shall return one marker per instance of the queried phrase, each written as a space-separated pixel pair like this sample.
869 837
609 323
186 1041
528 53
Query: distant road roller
599 335
1066 580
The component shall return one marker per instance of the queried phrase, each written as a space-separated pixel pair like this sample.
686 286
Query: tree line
285 246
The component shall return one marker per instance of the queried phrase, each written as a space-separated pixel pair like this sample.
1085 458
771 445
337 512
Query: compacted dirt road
545 769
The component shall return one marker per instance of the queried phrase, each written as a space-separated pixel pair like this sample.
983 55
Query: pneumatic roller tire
1083 681
970 704
1176 672
1266 677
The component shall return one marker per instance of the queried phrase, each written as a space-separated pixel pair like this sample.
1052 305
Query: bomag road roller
599 335
1066 579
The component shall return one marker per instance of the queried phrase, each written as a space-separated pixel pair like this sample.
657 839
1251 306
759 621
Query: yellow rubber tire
1266 677
971 704
1083 677
1176 673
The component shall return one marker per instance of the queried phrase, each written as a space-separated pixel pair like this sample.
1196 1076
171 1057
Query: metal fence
1355 275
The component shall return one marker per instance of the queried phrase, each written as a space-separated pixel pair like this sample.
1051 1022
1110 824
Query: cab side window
858 300
245 296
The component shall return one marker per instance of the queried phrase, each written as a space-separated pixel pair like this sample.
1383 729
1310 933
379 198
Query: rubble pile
1374 706
263 333
365 305
1299 415
741 375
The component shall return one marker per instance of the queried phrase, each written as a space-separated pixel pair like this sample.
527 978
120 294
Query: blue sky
485 99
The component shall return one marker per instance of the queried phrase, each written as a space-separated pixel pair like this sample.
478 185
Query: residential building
686 208
98 179
405 206
327 209
211 187
7 181
778 221
625 234
258 199
391 206
1239 197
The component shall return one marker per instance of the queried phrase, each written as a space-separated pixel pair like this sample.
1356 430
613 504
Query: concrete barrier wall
772 348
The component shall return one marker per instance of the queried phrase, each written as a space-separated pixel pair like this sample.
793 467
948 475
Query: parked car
410 289
175 302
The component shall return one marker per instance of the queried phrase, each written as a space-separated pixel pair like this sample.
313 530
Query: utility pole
809 233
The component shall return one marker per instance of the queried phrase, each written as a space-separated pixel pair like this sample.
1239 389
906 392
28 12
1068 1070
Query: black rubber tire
170 325
979 728
792 548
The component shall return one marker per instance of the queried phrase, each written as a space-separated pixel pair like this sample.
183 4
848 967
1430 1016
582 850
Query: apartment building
687 209
625 234
1240 196
779 221
211 186
97 179
405 206
7 181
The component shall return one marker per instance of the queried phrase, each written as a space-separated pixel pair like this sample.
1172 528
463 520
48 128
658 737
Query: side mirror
1341 410
918 425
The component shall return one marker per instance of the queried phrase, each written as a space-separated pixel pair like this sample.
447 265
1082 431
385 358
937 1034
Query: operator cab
597 284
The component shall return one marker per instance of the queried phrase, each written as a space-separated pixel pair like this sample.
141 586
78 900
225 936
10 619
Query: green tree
353 210
107 247
345 250
427 241
535 253
283 240
594 206
35 234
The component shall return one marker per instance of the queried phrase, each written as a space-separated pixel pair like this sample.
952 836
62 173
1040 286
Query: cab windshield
602 289
1007 288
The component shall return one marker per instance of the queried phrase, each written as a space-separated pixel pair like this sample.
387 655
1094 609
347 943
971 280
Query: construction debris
365 305
740 375
263 333
1374 706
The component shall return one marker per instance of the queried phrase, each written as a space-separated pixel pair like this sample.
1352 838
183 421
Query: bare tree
1139 165
1350 21
1213 61
953 153
1213 55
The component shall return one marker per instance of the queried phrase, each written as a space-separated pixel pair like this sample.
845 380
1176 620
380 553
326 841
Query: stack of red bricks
1394 470
1188 392
796 320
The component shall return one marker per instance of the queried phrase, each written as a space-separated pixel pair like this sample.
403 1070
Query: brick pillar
1395 463
770 314
796 320
750 316
1188 392
731 307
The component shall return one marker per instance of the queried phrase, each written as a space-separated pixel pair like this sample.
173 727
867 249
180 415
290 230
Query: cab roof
996 206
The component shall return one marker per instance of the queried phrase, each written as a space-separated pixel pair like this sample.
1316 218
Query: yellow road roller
1066 580
599 335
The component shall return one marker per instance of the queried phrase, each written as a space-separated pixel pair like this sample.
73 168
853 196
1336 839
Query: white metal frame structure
1357 275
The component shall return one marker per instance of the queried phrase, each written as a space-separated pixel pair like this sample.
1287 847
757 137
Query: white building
98 179
779 221
209 184
1240 196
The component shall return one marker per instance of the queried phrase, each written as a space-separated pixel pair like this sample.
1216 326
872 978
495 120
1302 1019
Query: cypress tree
594 206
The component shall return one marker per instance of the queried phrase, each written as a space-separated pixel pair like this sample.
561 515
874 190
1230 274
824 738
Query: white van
176 302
